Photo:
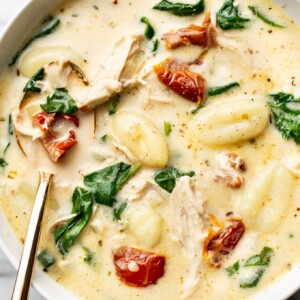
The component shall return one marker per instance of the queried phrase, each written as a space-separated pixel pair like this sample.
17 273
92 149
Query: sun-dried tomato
203 36
43 121
137 267
57 148
187 84
222 242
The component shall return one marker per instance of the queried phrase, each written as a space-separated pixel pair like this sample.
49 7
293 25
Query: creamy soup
173 134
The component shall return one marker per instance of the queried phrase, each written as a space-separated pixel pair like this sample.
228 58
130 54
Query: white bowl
10 39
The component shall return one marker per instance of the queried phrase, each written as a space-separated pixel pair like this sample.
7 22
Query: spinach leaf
155 45
103 138
254 280
89 256
197 109
47 27
167 127
213 91
166 178
228 17
261 259
31 84
60 102
233 269
114 101
66 235
106 183
181 9
3 163
10 132
261 16
118 210
285 109
149 31
46 259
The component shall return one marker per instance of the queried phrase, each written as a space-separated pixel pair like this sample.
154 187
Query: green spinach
254 280
47 27
31 85
262 17
114 101
261 259
106 183
118 210
166 178
213 91
181 9
60 102
3 163
46 259
89 256
149 31
233 269
228 17
155 45
10 132
66 235
197 109
285 110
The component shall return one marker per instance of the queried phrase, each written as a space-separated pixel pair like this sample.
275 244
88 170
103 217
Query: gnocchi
36 58
145 223
230 122
266 201
142 139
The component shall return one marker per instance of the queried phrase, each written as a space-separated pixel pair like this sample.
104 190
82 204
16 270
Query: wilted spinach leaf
46 259
228 17
118 210
181 9
149 31
233 269
166 178
114 101
213 91
261 259
3 163
107 182
31 84
254 280
66 235
47 27
261 16
60 102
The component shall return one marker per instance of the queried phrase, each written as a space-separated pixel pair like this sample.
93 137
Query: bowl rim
282 288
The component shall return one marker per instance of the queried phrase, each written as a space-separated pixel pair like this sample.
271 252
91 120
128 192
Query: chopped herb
261 259
155 45
261 16
3 163
167 127
291 235
118 210
47 27
166 178
31 85
228 17
66 235
233 269
60 102
10 133
104 138
213 91
197 109
106 183
114 101
89 256
149 31
181 9
46 259
253 281
285 109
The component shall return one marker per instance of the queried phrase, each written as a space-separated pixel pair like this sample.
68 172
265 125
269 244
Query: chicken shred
187 205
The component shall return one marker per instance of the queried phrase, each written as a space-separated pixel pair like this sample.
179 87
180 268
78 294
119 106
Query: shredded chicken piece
99 222
187 203
231 165
203 36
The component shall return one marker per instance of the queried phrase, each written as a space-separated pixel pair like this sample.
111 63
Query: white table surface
7 273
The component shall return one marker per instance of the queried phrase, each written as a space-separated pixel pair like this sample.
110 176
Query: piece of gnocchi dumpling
145 223
141 138
230 122
266 200
36 58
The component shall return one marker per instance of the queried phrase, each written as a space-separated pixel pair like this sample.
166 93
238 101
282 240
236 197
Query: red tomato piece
187 84
223 241
203 36
71 118
137 267
43 120
57 148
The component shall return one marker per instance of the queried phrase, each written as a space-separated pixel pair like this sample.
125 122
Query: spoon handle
23 280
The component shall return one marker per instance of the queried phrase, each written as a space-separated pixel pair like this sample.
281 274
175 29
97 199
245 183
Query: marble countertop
7 272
